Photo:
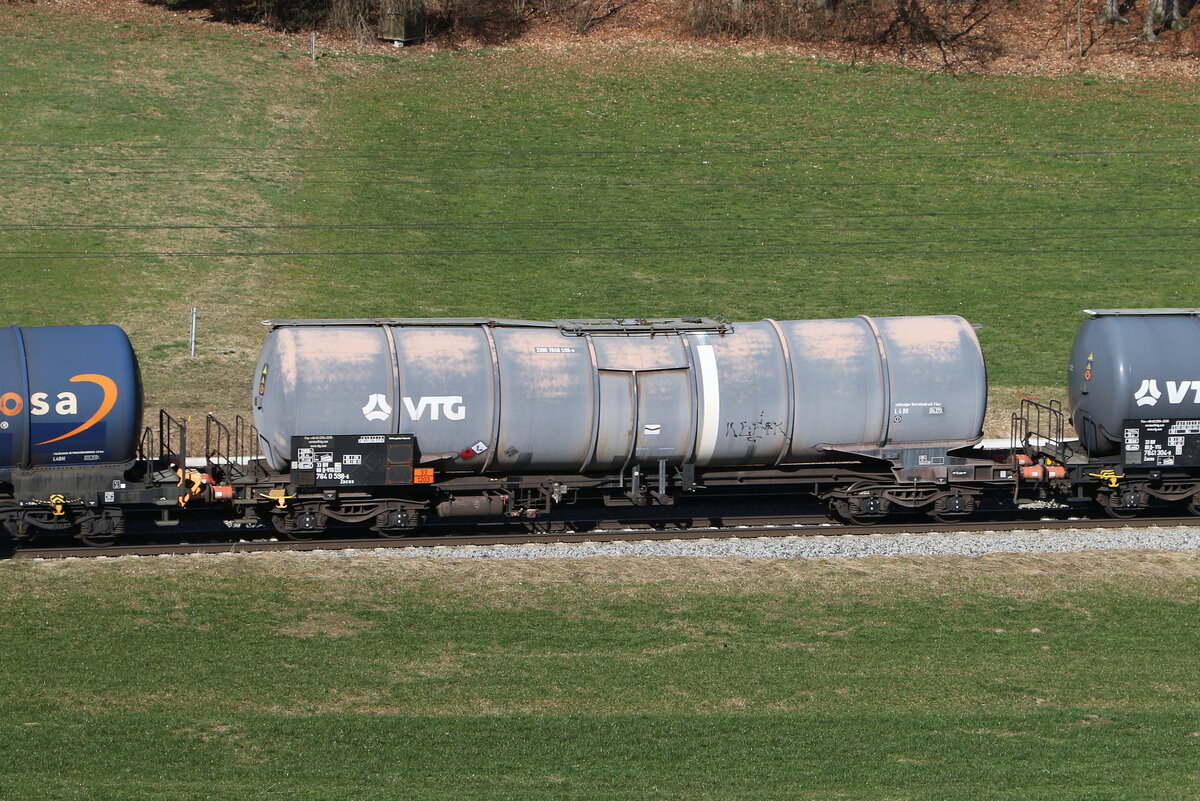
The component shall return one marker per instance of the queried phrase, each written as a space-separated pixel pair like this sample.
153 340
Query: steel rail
757 530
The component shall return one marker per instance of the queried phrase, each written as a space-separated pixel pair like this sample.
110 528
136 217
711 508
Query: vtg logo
1149 393
65 403
377 408
449 406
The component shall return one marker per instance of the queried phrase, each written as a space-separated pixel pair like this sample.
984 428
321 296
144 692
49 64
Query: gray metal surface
1141 312
510 397
1136 365
69 395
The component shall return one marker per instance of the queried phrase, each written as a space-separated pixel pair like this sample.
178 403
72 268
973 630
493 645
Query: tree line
959 29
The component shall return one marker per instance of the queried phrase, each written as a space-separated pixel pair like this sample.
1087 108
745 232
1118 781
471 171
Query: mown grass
590 181
998 678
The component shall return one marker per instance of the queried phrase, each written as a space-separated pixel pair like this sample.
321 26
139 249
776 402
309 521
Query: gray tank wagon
399 425
1132 364
591 397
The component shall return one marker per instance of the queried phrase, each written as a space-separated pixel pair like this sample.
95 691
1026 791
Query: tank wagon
1133 382
70 396
71 437
510 418
400 424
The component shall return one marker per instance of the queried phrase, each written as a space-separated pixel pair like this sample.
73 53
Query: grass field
1001 677
157 163
152 163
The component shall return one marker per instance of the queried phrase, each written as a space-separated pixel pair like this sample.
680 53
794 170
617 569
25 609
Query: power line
840 145
670 226
780 248
1123 211
457 165
607 182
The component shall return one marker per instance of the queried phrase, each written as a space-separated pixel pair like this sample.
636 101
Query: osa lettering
65 404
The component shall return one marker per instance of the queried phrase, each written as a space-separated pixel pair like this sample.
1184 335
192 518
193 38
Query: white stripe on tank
710 386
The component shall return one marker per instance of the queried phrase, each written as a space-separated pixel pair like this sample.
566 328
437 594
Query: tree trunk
1160 14
1155 11
1112 13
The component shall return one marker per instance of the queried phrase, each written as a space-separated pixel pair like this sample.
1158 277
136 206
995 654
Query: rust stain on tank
748 354
458 353
830 340
661 352
936 339
324 352
546 364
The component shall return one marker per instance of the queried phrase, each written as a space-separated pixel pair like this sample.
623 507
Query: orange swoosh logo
110 400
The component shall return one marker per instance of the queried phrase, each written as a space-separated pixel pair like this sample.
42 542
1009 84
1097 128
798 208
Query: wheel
863 511
1111 503
395 524
393 533
301 527
100 532
952 508
1122 513
1193 504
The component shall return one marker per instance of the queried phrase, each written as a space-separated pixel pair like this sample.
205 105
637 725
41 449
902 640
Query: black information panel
352 460
1162 443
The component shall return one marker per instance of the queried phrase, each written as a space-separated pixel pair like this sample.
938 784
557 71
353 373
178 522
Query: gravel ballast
1177 538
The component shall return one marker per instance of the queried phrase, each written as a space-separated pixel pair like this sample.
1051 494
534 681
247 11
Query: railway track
757 529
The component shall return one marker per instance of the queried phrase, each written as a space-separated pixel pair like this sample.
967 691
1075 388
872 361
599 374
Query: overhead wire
792 248
709 224
839 145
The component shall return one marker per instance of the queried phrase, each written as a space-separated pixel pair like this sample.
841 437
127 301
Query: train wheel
393 533
100 531
300 527
395 524
1122 506
862 511
1122 514
952 508
1193 504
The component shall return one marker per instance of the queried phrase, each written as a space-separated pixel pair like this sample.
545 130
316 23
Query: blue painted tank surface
69 395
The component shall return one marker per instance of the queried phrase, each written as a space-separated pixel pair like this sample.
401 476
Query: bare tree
1111 13
1160 14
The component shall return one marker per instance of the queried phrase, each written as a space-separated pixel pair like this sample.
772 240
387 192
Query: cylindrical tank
69 395
1132 364
509 397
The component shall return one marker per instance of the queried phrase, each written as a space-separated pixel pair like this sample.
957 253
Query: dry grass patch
1004 402
509 584
329 624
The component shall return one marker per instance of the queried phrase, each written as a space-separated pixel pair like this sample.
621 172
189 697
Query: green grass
595 181
995 678
592 182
